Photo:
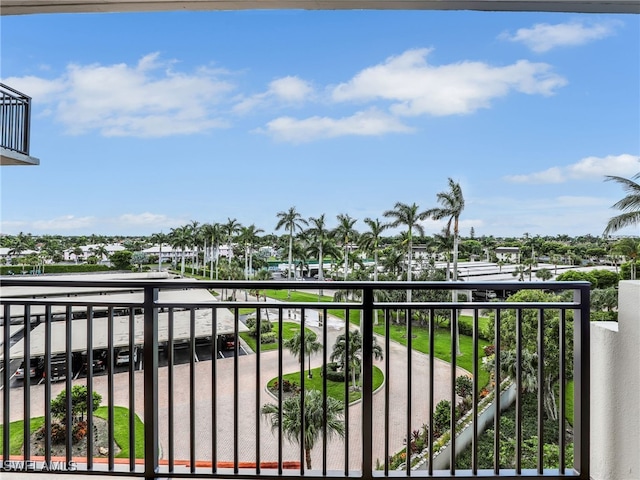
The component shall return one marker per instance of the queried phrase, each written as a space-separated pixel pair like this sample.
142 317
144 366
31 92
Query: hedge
28 269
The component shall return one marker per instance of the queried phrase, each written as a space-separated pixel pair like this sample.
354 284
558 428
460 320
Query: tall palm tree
304 425
180 237
317 235
370 241
215 232
452 205
231 228
249 237
292 221
196 239
160 238
409 216
346 234
629 205
310 343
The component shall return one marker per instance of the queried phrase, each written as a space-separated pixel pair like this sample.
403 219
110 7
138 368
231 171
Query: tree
452 205
409 216
349 355
292 221
529 333
346 234
307 341
139 258
121 260
629 205
630 249
160 239
180 237
249 237
544 274
79 403
304 419
370 241
231 228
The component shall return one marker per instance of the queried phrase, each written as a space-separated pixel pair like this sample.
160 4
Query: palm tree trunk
307 452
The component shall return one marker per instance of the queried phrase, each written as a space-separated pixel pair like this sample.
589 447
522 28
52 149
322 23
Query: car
123 357
35 371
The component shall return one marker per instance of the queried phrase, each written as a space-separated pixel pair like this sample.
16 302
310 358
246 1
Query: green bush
332 373
265 326
441 417
269 337
80 268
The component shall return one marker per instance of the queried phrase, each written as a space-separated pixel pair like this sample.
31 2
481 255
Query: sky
145 122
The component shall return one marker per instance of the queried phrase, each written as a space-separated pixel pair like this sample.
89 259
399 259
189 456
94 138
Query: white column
615 390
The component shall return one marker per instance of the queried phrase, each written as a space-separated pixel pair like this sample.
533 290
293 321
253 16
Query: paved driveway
250 401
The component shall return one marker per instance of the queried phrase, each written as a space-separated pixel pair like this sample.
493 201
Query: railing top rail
294 285
13 90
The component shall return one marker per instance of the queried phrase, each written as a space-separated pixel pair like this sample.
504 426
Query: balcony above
15 122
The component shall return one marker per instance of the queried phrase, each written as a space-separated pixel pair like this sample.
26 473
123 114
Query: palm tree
304 419
231 228
350 354
196 238
409 216
307 342
629 205
160 238
444 243
249 237
629 248
292 221
215 233
180 237
317 235
452 205
370 241
346 233
544 274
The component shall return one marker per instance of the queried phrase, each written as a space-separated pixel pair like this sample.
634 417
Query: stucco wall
615 390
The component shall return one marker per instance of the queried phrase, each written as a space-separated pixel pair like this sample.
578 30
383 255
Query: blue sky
144 122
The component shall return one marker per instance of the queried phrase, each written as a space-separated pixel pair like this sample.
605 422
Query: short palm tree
303 343
629 205
304 419
180 237
349 353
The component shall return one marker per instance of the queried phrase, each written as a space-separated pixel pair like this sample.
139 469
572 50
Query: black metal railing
15 118
184 395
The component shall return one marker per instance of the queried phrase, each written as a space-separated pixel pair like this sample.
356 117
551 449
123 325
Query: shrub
464 386
332 373
265 326
441 417
270 337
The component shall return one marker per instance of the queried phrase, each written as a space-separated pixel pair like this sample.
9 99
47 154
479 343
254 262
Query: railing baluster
150 356
367 382
541 391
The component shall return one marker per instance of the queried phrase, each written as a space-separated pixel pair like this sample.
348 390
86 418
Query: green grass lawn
120 431
441 344
289 329
334 389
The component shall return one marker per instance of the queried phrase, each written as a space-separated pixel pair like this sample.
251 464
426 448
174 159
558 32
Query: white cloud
367 123
624 165
149 99
543 37
147 219
288 90
416 88
66 222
